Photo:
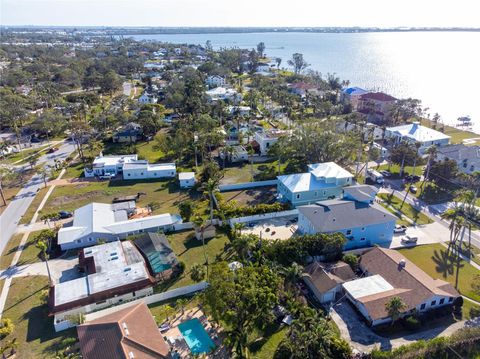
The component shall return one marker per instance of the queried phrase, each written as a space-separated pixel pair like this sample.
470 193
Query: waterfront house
416 133
325 279
187 179
113 273
224 94
108 165
322 181
357 216
466 157
109 222
215 81
352 95
127 333
389 274
375 105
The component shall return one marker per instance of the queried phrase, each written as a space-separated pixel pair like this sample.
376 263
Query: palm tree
200 223
394 307
211 187
432 153
238 229
417 147
43 246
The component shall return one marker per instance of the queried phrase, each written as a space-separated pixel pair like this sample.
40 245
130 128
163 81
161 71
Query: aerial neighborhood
164 200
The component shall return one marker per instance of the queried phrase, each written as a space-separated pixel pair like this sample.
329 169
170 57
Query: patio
175 339
275 228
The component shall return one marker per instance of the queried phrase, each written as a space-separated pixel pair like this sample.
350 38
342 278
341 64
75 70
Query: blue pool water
196 337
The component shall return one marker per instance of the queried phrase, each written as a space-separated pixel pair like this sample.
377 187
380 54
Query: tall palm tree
432 154
210 187
200 223
394 307
43 246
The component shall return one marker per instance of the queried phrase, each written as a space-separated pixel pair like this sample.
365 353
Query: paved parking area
274 228
426 234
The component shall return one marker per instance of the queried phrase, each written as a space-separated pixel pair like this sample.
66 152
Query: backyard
433 259
34 329
251 196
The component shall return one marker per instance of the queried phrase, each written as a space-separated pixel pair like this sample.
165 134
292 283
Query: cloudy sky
381 13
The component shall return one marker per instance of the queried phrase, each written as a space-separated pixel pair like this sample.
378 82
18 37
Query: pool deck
178 343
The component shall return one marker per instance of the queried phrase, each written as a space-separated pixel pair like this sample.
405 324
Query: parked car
107 176
411 178
35 140
400 229
64 214
53 149
409 239
413 189
386 173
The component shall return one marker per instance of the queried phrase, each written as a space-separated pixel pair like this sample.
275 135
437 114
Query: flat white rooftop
116 264
363 287
183 176
100 161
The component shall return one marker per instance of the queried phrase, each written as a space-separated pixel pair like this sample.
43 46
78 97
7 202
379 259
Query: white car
400 229
409 239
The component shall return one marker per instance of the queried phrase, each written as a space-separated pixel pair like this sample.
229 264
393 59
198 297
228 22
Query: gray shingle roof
361 193
334 215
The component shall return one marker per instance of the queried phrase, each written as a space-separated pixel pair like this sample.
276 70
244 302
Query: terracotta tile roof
127 333
377 96
410 283
326 276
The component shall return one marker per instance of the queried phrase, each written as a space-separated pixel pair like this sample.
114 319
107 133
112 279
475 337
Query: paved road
18 206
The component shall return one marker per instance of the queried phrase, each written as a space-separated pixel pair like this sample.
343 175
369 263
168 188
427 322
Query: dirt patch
60 201
253 196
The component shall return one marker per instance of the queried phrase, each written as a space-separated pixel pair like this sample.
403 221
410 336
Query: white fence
261 217
182 226
246 185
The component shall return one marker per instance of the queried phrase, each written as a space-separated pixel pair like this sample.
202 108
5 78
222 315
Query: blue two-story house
322 181
363 222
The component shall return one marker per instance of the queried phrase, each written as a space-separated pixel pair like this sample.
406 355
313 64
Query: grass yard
251 197
406 209
165 193
27 217
146 151
34 329
19 156
189 250
161 310
9 193
457 135
401 219
434 261
74 170
270 345
30 253
395 170
9 251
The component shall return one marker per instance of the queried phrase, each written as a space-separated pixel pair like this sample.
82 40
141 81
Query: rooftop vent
124 325
402 263
131 355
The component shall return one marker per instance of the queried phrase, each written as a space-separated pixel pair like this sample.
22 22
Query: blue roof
354 91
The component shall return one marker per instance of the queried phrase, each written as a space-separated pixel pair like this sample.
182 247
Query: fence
246 185
260 217
182 226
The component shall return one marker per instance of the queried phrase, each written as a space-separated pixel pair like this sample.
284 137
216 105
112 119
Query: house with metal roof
108 165
158 254
109 222
416 133
352 95
128 333
467 157
129 133
363 221
112 273
187 179
388 274
322 181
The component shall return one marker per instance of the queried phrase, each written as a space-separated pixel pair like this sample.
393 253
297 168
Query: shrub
6 327
181 267
412 323
236 211
351 260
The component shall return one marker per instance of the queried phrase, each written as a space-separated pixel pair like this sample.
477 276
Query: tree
43 242
403 154
182 303
197 272
243 245
210 187
6 174
395 307
110 82
45 173
200 225
278 61
186 209
6 327
33 159
298 63
443 172
242 299
351 260
261 49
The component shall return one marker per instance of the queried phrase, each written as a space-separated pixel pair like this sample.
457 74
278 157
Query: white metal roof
184 176
418 132
113 160
367 286
328 170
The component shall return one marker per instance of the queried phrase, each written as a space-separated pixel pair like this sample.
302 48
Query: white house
222 94
467 157
141 169
416 133
266 139
108 165
187 179
147 99
352 95
109 222
215 81
237 153
239 110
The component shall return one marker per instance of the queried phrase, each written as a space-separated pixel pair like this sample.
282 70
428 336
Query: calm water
440 68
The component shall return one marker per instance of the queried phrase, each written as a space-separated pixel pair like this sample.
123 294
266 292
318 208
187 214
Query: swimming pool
196 337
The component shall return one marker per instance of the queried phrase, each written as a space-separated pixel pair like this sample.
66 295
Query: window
363 228
141 173
101 302
433 303
450 299
349 232
315 194
422 306
324 193
363 238
298 196
442 301
128 175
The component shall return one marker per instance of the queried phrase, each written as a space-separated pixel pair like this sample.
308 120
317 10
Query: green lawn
268 348
159 310
30 253
75 170
401 219
189 250
166 193
14 157
406 209
457 135
434 261
10 250
9 193
146 151
33 327
395 169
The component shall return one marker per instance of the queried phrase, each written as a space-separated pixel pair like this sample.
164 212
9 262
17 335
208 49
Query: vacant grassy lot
34 330
30 253
406 209
267 348
165 193
27 217
189 250
252 196
395 170
434 260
